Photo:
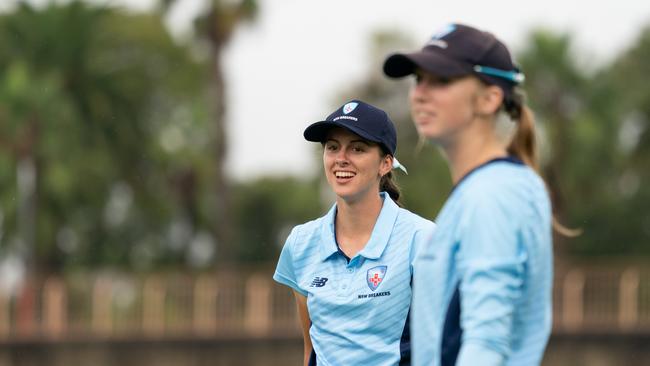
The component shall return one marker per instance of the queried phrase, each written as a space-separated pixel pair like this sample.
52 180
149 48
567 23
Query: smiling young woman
351 269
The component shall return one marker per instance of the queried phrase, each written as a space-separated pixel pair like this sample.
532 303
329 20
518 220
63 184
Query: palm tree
216 26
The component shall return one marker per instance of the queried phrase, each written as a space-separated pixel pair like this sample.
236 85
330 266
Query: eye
444 81
358 148
432 81
331 146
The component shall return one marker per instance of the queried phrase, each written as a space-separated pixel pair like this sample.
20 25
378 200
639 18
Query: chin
428 133
348 195
345 194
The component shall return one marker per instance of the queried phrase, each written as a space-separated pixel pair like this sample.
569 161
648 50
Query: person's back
533 313
518 195
482 287
500 213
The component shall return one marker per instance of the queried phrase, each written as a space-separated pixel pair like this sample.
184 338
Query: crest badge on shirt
375 276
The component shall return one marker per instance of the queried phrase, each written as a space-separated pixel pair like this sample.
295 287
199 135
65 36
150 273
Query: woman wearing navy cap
482 285
351 269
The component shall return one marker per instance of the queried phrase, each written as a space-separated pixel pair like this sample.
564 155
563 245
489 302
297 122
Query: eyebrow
353 141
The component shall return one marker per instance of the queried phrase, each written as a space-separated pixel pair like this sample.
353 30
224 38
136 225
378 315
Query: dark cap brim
402 64
317 131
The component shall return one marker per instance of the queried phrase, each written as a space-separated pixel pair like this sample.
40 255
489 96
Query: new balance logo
318 282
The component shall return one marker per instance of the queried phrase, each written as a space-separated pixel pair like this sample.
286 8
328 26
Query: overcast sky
285 70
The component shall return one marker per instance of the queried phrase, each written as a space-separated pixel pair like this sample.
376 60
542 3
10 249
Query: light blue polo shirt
482 285
359 309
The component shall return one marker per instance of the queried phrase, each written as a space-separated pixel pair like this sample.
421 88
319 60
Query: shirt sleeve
284 271
421 238
491 264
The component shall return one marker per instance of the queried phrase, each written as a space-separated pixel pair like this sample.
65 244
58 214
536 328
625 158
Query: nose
341 157
418 92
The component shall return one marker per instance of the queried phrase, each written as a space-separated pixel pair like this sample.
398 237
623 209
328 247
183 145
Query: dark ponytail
386 184
524 144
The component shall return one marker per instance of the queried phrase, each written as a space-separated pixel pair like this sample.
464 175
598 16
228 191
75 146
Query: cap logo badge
444 31
349 107
436 39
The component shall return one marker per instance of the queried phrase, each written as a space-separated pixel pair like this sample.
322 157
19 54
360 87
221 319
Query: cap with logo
363 119
458 50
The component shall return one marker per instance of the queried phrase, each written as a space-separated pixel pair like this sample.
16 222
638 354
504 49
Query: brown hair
524 144
388 185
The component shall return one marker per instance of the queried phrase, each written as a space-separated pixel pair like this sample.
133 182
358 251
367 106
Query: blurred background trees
593 124
104 143
215 27
113 142
593 135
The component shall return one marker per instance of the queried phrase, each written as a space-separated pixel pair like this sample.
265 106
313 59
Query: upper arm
305 325
303 312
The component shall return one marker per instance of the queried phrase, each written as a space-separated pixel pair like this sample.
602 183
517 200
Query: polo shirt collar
378 239
328 237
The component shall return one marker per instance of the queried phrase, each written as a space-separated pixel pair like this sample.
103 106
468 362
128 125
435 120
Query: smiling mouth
423 115
344 175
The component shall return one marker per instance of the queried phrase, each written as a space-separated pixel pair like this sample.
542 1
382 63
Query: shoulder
305 236
502 180
505 189
416 228
414 222
308 228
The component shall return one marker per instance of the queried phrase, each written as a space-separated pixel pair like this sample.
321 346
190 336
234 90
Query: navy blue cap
458 50
361 118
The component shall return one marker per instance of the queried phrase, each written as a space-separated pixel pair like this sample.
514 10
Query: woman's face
353 165
441 108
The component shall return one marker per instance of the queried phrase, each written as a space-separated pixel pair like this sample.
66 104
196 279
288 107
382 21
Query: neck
355 221
472 148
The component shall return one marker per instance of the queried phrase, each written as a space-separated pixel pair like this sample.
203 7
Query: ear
489 100
386 165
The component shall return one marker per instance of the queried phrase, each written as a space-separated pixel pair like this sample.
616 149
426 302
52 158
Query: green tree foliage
593 125
559 92
101 136
622 223
267 209
112 143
